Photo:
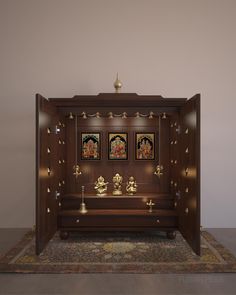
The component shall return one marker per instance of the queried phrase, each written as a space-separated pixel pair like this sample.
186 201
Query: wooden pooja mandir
168 178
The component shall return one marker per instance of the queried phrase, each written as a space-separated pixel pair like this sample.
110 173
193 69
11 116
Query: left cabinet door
46 171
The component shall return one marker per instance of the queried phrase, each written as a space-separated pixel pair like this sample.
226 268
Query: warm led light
190 172
110 115
57 130
44 172
186 171
191 119
151 114
124 115
84 116
71 117
163 116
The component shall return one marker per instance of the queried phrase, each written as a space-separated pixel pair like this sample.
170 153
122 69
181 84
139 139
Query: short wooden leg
64 235
171 235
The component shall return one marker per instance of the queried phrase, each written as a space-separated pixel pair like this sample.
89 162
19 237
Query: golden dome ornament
117 84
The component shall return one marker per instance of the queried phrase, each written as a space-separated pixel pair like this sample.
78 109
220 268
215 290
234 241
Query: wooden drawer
118 221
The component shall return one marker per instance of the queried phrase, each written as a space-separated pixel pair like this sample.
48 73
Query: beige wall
64 47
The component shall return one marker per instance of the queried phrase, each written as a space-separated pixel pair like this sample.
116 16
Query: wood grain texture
189 222
109 213
48 154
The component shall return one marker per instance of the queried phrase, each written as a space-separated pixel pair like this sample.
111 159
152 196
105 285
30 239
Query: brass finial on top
117 84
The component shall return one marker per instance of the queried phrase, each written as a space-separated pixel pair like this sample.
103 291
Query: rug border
158 268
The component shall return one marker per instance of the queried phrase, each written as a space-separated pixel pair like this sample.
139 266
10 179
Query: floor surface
118 284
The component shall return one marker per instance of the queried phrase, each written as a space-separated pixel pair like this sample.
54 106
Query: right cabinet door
189 211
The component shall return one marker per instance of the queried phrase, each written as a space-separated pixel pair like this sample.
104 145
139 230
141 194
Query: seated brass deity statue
117 180
131 187
101 186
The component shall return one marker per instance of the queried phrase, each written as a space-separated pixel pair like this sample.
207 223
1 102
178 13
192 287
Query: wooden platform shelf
162 201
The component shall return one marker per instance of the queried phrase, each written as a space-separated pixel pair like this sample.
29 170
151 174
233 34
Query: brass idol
131 187
117 180
101 186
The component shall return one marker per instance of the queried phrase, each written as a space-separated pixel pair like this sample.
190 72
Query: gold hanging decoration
159 170
77 172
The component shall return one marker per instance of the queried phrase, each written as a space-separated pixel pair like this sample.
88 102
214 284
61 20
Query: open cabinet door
47 175
189 209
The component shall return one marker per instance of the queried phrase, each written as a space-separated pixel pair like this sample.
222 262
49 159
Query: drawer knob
77 220
158 220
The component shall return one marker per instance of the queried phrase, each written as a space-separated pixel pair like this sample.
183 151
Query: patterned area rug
118 252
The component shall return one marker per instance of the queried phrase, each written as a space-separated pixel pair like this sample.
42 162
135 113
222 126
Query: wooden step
123 212
162 201
110 196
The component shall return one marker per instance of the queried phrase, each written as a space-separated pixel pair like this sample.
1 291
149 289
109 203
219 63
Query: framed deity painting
145 146
118 146
90 146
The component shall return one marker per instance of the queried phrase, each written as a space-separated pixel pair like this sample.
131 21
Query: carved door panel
189 174
49 161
